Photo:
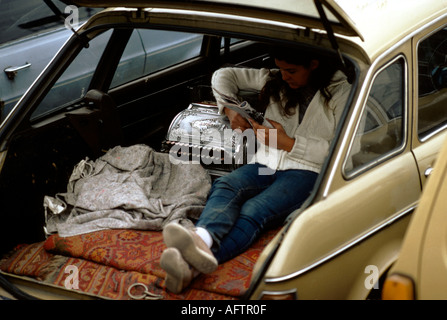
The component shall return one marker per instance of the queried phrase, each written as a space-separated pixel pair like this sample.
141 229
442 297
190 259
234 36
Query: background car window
162 49
432 61
20 18
75 81
132 62
146 52
229 41
381 127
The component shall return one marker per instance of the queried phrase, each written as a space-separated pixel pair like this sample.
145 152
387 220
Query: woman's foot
178 272
191 246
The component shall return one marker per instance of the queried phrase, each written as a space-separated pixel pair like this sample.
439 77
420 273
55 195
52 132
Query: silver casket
199 134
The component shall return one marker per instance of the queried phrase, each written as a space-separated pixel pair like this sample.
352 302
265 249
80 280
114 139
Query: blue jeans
244 203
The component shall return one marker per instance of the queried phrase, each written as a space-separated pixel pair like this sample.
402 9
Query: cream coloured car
420 271
345 238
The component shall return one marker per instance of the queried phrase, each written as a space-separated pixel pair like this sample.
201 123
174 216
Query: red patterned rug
109 262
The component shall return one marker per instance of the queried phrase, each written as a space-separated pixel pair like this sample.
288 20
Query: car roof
371 25
386 22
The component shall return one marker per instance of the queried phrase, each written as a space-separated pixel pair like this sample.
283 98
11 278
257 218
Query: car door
430 96
27 44
22 62
367 196
164 49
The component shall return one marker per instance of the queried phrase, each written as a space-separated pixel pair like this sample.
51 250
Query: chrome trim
11 72
278 293
342 249
432 133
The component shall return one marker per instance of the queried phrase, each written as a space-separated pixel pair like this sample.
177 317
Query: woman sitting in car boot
303 100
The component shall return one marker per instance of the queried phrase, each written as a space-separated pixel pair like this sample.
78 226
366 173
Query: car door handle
11 72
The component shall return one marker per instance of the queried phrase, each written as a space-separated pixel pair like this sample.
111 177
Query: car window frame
351 174
427 135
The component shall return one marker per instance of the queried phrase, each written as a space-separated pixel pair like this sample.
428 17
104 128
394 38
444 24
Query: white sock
205 235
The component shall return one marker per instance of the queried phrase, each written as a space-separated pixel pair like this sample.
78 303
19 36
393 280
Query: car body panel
422 258
21 53
345 275
379 23
295 258
433 262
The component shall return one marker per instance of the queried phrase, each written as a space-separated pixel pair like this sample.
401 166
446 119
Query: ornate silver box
199 134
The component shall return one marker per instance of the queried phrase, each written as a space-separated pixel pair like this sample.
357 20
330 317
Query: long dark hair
319 80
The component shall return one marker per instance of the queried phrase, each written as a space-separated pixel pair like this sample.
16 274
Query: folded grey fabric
129 187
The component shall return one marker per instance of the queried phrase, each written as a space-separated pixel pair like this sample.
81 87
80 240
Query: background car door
164 49
31 32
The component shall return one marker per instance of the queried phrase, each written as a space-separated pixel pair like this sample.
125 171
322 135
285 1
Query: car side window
432 89
381 129
162 49
147 51
75 81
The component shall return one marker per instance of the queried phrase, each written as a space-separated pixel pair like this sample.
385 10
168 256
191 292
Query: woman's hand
236 120
264 134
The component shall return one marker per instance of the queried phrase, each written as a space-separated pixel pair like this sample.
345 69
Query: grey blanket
133 187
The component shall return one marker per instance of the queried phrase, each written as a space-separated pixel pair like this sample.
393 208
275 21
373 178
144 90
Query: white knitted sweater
312 137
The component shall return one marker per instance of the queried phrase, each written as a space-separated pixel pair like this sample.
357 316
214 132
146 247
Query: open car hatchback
136 111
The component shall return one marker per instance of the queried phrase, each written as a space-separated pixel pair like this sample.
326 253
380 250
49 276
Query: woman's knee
241 237
267 211
256 212
240 179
